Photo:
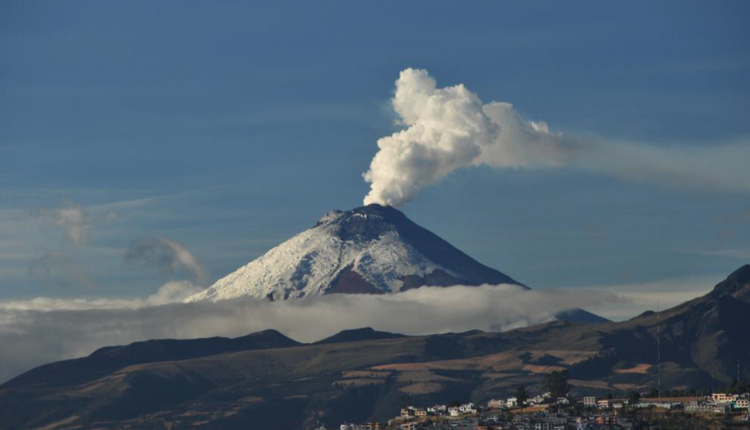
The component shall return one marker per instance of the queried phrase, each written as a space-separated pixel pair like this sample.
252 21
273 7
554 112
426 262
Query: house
695 406
742 403
606 420
467 408
720 409
407 412
537 400
603 403
365 426
409 426
589 401
454 412
563 401
512 402
496 404
548 425
437 409
420 412
719 397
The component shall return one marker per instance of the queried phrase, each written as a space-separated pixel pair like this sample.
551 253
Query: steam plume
451 128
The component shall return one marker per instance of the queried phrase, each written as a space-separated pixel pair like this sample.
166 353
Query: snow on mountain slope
371 249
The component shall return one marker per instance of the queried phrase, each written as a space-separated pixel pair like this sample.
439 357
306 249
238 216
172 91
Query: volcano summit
371 249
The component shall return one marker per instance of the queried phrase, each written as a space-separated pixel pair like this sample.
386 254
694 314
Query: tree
557 383
634 397
521 394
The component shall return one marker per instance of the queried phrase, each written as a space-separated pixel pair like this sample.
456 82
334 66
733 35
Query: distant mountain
580 316
357 335
372 249
361 375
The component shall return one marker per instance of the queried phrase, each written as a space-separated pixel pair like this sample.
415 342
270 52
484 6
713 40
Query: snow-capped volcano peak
371 249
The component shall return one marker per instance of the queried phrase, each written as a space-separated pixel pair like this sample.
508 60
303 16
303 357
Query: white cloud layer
44 330
664 293
450 128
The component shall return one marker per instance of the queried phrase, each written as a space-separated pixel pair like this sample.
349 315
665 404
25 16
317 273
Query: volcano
371 249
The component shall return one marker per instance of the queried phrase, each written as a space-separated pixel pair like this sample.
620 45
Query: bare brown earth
642 369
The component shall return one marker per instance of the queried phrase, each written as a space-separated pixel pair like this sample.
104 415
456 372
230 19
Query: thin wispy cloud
168 255
731 253
69 218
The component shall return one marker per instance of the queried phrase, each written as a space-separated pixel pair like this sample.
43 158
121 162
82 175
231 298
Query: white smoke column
450 128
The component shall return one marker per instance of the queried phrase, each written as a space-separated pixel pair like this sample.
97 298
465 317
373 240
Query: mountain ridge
112 358
358 335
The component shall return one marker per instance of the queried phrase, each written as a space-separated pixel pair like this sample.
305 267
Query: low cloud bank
44 330
450 128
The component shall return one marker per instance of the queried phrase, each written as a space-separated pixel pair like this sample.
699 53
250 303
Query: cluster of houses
598 413
537 420
365 426
720 403
565 421
492 417
513 402
438 410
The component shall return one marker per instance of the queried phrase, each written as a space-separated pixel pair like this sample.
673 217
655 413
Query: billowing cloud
166 254
44 330
451 128
173 292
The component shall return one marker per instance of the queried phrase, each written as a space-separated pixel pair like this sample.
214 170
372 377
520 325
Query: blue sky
229 127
